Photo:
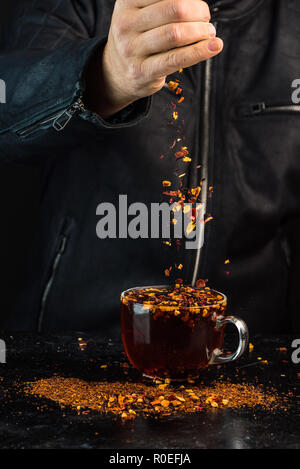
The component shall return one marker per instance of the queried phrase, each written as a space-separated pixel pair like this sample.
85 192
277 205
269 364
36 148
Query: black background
19 204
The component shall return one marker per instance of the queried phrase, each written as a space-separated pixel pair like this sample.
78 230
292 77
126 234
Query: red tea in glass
176 333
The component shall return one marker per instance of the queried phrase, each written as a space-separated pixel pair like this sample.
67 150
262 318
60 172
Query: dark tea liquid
168 346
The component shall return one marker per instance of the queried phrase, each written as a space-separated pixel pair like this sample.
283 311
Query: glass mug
178 346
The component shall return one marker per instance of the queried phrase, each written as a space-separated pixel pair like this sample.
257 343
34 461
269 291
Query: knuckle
145 72
174 33
172 59
134 71
126 48
121 27
118 29
178 9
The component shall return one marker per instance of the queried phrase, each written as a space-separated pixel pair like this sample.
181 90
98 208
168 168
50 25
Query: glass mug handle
217 357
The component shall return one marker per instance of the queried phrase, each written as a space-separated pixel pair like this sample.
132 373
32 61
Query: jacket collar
227 10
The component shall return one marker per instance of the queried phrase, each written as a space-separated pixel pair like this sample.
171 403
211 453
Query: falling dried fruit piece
191 226
208 219
172 85
168 243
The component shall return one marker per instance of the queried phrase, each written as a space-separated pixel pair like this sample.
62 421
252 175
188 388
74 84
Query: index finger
171 11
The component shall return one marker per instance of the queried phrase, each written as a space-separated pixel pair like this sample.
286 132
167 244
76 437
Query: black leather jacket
238 123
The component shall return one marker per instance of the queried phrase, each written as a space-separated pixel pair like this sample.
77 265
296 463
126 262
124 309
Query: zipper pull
258 108
248 110
62 120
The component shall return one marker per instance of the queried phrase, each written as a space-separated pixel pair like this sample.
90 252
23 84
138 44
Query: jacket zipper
249 110
58 255
58 121
205 147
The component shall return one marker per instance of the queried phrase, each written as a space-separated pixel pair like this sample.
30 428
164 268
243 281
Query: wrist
102 95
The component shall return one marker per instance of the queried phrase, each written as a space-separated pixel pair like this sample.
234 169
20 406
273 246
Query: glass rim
171 307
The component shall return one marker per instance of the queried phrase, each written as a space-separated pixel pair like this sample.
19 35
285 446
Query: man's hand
148 40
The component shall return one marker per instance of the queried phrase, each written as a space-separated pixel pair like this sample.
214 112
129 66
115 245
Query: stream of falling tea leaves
185 199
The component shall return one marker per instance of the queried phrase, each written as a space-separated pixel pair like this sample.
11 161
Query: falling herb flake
173 85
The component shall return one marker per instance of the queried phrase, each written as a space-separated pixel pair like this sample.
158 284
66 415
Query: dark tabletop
30 357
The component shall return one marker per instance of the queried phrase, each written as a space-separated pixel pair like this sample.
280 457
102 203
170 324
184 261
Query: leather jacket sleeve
47 46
